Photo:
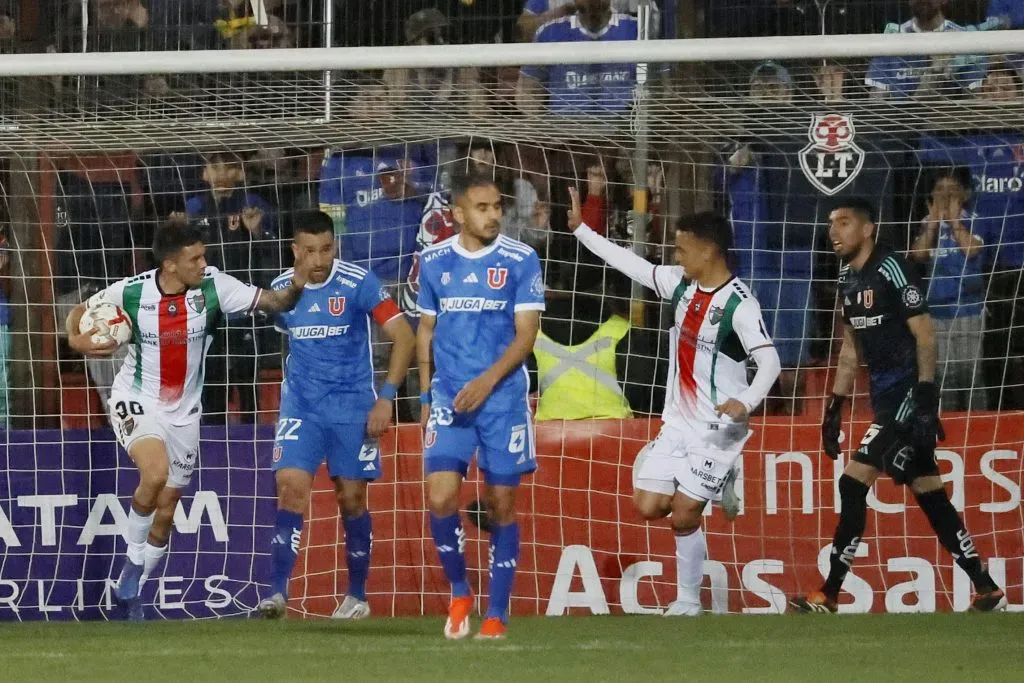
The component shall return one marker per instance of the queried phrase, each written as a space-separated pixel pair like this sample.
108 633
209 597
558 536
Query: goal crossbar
511 54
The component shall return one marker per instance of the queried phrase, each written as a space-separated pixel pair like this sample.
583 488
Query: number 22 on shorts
286 428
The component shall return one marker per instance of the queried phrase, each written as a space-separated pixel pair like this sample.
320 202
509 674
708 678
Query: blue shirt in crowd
901 76
956 287
376 232
586 88
996 163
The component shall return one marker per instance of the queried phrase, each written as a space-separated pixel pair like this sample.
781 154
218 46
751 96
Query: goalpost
92 164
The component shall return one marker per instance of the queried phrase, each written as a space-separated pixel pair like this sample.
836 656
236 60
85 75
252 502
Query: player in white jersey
155 400
717 327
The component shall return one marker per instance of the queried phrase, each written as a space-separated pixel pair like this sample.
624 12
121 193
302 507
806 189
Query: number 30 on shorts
286 428
125 408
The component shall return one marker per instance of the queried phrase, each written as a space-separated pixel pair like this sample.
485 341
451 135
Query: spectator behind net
426 89
581 88
952 253
924 76
536 13
239 230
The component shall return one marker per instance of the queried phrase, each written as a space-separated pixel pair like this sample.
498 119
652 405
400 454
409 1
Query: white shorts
134 420
683 461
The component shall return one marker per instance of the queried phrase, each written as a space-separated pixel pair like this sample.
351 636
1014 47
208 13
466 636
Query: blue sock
450 540
504 555
358 542
284 550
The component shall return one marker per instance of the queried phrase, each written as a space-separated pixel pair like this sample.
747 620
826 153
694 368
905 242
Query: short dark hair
859 206
312 222
960 174
708 226
174 235
463 182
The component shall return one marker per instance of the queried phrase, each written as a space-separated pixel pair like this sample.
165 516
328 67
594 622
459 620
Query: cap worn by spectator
426 23
771 81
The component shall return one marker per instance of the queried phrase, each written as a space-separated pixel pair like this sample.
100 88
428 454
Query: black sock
954 537
853 517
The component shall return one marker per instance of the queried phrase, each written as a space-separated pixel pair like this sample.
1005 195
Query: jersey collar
156 281
578 25
480 253
717 289
330 276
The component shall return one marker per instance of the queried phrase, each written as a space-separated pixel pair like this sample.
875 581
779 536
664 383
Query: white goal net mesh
91 164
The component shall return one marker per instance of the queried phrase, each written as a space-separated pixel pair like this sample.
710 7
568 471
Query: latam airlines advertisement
64 496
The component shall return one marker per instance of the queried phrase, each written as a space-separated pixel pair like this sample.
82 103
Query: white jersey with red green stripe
170 336
713 334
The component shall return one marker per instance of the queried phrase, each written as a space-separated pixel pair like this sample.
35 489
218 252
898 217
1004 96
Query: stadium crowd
954 202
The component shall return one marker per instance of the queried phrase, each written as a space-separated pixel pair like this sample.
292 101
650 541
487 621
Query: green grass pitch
927 648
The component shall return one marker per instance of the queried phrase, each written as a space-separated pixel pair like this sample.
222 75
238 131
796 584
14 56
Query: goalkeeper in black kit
888 327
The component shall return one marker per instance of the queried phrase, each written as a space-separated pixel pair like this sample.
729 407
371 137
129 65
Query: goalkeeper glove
926 427
831 426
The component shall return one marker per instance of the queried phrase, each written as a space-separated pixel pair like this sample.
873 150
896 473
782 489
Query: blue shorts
304 443
786 307
504 444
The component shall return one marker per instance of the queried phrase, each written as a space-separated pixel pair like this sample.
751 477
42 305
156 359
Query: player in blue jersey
481 295
329 409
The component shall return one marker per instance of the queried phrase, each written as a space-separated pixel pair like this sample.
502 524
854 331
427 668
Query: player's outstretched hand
379 419
831 427
575 209
84 344
734 409
473 394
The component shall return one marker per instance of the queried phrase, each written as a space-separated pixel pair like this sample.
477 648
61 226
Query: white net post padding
89 175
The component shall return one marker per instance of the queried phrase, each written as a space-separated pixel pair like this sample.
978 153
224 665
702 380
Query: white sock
137 533
151 558
690 553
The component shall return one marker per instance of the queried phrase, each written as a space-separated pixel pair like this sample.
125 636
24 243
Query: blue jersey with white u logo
474 297
329 372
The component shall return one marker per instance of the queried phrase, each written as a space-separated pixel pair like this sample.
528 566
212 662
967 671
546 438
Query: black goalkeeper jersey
877 302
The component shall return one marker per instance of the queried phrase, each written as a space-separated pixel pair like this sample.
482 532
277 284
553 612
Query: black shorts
886 446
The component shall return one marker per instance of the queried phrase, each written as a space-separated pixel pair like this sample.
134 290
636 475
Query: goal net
767 132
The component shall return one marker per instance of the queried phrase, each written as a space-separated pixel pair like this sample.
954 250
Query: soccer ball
110 322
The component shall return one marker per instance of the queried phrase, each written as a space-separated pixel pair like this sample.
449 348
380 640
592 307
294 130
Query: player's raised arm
476 391
661 279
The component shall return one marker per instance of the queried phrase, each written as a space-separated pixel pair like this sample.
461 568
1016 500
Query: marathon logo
471 304
318 331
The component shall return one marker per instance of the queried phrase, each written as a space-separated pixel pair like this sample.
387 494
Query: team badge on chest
496 277
336 305
196 302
